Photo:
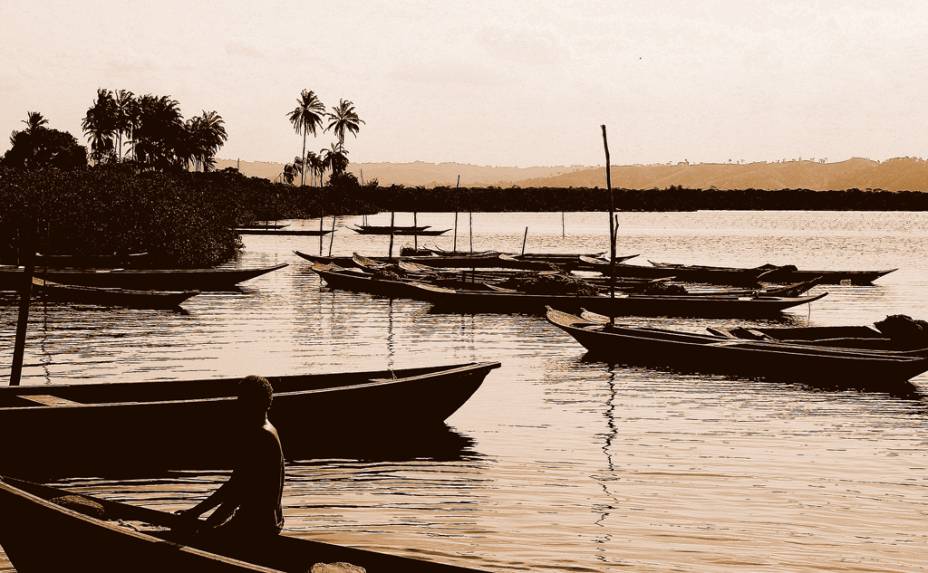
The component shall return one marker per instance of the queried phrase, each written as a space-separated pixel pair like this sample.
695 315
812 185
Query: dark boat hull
189 423
45 290
400 231
283 232
40 534
140 279
704 353
783 274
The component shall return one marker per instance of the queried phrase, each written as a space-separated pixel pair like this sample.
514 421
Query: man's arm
218 497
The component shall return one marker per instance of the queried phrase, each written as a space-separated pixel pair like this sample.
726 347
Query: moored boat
894 333
50 529
784 273
140 279
622 304
188 423
707 353
48 290
282 232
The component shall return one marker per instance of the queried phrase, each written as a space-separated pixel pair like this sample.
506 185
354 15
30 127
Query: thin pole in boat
454 245
390 252
332 236
27 255
612 223
524 238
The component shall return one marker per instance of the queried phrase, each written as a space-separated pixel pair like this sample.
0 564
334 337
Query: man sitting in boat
249 506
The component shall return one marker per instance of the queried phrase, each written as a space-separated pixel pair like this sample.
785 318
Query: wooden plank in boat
49 400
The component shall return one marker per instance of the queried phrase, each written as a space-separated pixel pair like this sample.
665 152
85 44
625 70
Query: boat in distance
50 529
188 423
398 231
282 232
707 353
140 279
107 296
784 273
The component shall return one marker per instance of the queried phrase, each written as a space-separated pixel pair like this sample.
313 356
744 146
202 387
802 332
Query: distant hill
419 173
898 174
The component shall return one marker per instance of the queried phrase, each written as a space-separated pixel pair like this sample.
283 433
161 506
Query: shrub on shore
180 219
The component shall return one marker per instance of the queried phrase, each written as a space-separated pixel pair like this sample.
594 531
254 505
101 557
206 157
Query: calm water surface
559 463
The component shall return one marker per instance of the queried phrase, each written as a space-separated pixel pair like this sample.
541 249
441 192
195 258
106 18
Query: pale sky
519 82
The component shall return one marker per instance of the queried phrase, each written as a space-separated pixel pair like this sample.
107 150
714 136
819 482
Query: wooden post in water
390 251
415 234
470 224
332 236
563 226
27 255
612 223
321 233
524 238
454 244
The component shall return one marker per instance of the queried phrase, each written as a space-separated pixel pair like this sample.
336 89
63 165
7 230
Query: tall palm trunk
303 157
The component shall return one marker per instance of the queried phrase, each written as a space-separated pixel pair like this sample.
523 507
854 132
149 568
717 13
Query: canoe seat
48 400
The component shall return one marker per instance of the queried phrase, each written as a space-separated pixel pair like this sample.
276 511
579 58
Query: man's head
255 394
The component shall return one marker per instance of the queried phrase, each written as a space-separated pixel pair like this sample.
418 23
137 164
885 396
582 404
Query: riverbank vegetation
180 219
444 199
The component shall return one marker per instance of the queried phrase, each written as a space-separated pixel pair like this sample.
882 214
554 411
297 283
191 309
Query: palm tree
160 137
205 135
313 161
307 116
126 110
34 121
342 118
99 125
335 158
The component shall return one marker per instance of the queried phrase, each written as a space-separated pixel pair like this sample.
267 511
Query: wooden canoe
187 423
50 529
140 279
624 304
399 231
85 261
47 290
707 353
282 232
860 337
787 273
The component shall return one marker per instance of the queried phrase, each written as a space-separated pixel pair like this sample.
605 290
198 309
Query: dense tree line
181 219
443 199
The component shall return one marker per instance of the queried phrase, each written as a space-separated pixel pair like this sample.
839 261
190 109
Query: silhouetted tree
342 118
99 125
306 117
38 147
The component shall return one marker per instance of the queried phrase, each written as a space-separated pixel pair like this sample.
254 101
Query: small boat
378 230
140 279
684 273
50 529
187 423
282 232
894 333
707 353
787 273
458 261
48 290
84 261
623 304
264 226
